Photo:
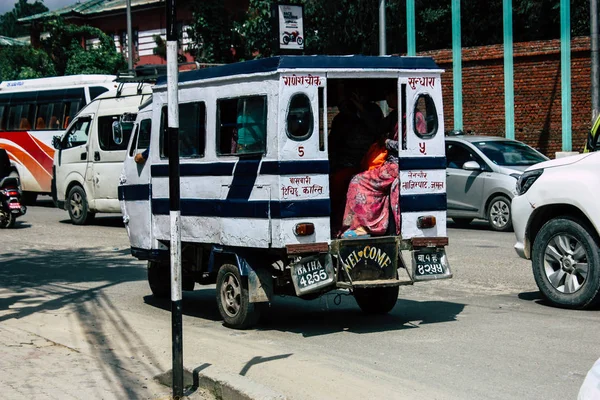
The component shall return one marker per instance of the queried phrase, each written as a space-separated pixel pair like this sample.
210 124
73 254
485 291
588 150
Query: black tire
233 300
29 198
299 40
561 245
286 39
7 220
499 214
376 300
159 279
462 222
77 206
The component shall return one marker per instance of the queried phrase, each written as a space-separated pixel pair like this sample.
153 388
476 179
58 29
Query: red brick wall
537 76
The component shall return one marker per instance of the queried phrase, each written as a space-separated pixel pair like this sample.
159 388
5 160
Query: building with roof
148 19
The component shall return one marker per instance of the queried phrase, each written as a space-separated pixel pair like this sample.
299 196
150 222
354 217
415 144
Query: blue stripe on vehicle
294 167
244 178
423 162
134 192
423 202
208 169
227 168
235 208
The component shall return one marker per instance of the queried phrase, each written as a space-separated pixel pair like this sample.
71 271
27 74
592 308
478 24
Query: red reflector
13 193
426 222
304 229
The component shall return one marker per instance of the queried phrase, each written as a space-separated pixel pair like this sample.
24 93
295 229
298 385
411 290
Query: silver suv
481 175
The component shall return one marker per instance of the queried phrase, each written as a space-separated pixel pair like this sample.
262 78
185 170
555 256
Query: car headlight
527 179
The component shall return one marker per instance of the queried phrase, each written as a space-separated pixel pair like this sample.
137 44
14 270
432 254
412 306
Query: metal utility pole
129 37
595 68
174 195
382 38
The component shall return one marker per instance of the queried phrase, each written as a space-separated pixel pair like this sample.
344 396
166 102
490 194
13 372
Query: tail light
426 222
304 229
12 193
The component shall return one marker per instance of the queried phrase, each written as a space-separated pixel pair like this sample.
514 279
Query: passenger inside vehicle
374 193
352 133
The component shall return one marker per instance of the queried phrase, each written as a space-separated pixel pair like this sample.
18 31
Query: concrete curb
222 385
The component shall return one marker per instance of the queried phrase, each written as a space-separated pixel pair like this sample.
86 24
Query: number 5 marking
301 151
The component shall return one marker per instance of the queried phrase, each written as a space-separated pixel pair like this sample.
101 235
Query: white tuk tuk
255 183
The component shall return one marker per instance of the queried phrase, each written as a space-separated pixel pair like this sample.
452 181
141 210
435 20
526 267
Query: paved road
484 334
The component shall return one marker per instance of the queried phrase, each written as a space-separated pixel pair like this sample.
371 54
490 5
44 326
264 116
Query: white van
89 159
256 198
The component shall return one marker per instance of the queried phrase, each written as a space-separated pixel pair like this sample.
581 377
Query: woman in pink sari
373 193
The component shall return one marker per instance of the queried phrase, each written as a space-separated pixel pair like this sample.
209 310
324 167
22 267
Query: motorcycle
292 37
10 202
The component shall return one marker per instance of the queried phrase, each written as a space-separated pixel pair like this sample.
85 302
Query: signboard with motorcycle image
291 27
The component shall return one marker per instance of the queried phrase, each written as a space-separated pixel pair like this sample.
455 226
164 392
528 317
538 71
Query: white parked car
556 218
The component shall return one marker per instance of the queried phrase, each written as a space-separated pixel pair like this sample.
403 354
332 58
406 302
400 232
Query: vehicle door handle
97 156
83 156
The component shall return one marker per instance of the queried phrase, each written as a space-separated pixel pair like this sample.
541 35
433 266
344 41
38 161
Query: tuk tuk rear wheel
233 299
378 300
159 279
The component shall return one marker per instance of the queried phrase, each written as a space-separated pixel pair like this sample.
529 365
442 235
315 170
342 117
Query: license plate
312 273
430 265
14 206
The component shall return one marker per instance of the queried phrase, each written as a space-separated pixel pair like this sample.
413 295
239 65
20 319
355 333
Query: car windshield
507 153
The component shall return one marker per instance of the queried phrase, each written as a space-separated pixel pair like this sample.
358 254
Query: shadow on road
115 221
74 282
322 316
476 225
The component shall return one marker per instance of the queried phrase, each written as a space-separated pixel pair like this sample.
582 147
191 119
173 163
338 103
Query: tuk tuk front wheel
233 299
378 300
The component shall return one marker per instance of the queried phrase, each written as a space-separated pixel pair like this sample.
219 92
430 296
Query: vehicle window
20 117
71 109
457 155
242 125
2 114
192 131
78 134
143 141
134 140
299 118
508 152
105 134
425 121
96 91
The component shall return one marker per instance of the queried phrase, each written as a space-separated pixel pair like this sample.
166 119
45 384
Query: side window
299 119
134 140
105 136
20 117
2 115
242 125
425 121
457 155
71 109
96 91
192 130
78 134
144 134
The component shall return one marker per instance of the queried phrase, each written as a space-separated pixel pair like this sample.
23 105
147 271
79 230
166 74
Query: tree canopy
8 22
351 26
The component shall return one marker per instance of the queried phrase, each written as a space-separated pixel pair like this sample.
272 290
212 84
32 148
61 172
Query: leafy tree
212 32
8 22
64 47
24 62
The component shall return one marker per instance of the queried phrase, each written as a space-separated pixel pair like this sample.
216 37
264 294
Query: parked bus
32 111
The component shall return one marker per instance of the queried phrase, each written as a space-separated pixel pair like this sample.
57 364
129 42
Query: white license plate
14 206
312 273
430 265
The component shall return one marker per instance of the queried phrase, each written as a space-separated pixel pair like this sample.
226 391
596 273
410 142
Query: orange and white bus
32 111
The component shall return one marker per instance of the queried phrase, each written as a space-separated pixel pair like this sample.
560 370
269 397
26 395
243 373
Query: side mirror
472 166
117 132
56 142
